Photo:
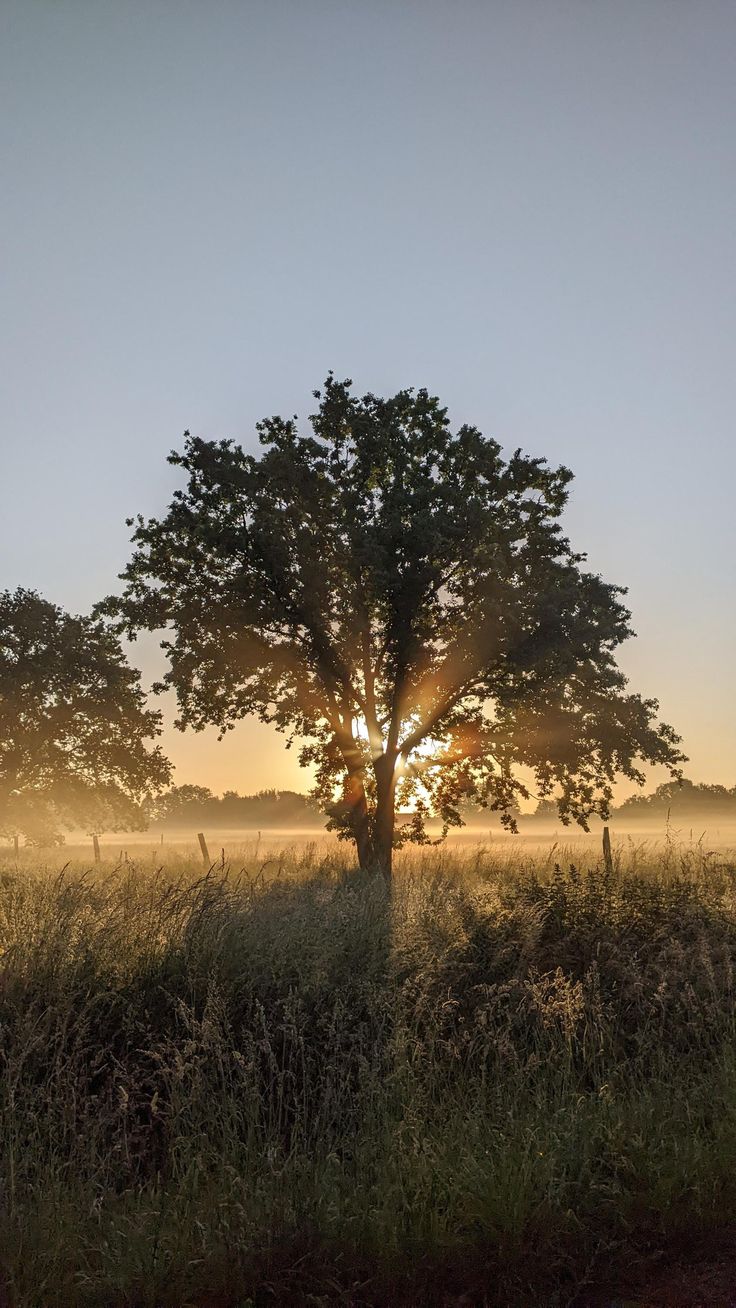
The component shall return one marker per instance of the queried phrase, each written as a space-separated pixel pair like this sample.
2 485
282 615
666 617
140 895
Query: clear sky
527 206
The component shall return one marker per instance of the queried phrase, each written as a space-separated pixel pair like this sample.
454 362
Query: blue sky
528 207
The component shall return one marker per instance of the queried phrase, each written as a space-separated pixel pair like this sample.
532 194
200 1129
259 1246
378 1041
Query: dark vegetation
75 732
401 599
484 1086
397 596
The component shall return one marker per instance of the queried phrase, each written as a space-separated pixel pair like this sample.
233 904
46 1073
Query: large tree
74 730
402 599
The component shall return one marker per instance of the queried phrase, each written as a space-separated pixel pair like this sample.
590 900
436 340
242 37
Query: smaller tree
546 811
176 805
75 735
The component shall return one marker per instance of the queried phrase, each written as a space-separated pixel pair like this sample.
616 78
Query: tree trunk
364 844
360 821
374 840
383 829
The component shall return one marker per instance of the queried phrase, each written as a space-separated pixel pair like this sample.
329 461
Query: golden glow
253 757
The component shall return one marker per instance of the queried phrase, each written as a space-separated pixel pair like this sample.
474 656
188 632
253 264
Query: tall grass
284 1085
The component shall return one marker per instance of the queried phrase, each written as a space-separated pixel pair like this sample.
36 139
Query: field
510 1081
247 846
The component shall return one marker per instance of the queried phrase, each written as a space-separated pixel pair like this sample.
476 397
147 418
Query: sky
527 206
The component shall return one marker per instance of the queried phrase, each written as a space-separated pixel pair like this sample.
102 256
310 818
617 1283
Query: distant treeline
679 801
686 798
195 806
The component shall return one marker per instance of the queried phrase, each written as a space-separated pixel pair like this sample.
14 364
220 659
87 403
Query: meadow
510 1080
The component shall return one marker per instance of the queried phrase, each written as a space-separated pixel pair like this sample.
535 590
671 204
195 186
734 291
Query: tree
196 805
546 810
403 600
179 803
73 725
682 798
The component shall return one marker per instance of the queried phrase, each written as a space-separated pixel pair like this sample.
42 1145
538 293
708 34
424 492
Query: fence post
204 849
607 856
96 847
15 845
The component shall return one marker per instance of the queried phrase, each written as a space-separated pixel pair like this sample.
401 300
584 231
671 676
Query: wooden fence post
607 856
204 849
15 845
96 847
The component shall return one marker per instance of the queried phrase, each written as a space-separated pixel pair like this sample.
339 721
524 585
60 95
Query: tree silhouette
196 805
403 600
685 797
73 725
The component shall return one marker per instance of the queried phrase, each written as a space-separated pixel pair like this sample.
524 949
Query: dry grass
277 1084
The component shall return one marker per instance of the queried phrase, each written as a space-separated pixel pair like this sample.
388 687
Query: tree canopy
74 729
402 599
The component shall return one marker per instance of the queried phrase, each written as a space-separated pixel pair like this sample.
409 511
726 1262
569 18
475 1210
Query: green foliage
401 598
310 1090
74 729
